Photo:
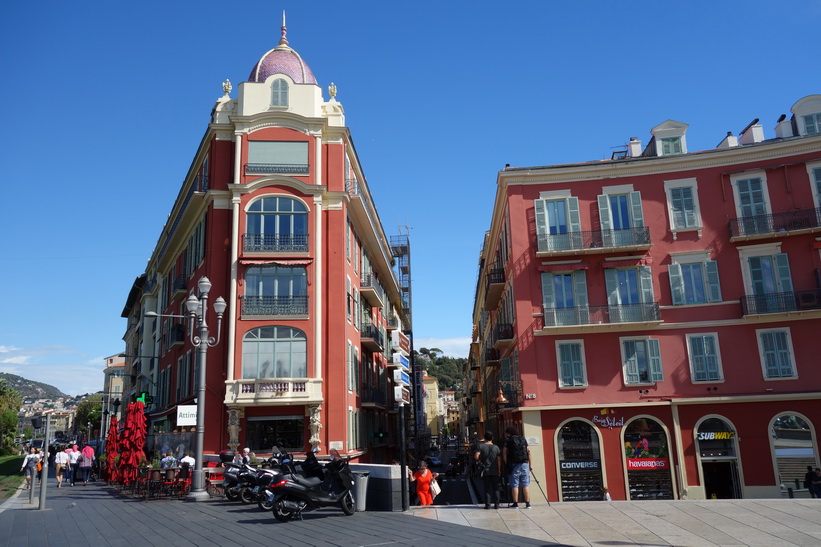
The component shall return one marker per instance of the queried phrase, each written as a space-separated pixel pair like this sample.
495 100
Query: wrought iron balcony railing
275 305
375 396
592 315
502 331
594 239
176 336
774 223
370 331
264 168
781 302
371 283
275 243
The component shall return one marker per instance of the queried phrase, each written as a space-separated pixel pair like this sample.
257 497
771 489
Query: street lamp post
197 309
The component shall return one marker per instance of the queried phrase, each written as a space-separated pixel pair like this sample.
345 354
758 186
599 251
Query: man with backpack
516 455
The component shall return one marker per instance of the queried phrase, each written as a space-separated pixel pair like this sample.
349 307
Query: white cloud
451 347
17 360
8 349
61 366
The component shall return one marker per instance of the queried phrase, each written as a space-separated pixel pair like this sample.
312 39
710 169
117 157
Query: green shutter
676 283
566 364
604 213
770 356
711 358
784 277
578 369
631 368
646 284
654 350
635 210
611 281
713 286
580 295
574 223
548 299
697 357
541 217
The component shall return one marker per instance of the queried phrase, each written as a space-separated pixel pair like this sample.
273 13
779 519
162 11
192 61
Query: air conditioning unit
808 300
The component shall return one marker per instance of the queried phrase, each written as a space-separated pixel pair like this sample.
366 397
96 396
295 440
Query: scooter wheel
265 504
348 503
246 496
232 494
281 513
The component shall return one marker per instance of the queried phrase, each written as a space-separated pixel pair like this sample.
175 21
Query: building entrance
721 479
719 462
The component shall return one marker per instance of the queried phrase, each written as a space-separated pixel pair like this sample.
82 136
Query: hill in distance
29 389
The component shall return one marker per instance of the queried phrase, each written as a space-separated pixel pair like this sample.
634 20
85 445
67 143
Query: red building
276 212
638 318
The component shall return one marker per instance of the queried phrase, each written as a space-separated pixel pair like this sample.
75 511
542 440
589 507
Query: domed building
275 211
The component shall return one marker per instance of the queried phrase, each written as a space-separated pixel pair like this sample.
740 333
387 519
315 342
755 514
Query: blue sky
105 104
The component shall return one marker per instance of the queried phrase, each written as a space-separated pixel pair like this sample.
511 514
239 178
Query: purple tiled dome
282 60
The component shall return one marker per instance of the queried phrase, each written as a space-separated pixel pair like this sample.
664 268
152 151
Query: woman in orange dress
423 478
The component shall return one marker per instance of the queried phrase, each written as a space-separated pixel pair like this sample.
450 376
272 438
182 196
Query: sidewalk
98 515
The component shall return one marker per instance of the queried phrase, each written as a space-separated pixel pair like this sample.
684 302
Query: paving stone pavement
101 516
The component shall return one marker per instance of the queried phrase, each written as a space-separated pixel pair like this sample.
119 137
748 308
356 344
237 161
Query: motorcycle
237 477
303 489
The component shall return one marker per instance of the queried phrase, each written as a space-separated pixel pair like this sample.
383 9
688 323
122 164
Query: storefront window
284 432
719 467
716 439
793 448
579 462
648 461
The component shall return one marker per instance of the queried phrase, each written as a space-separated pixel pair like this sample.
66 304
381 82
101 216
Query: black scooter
302 489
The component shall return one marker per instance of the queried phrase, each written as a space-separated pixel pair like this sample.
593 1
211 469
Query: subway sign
716 435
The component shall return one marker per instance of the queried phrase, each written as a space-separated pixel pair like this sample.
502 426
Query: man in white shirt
61 464
73 456
187 460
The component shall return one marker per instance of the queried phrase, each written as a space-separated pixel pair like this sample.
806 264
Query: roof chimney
783 127
634 147
751 134
729 141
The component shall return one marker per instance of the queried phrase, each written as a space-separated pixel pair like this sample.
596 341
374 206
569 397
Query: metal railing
369 330
781 302
264 168
275 305
502 331
593 239
369 281
592 315
275 243
375 396
777 222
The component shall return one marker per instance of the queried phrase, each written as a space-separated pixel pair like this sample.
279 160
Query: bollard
790 493
797 484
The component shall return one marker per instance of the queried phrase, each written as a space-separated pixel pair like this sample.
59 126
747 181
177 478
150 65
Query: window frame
279 93
258 340
748 251
747 175
720 368
815 182
790 351
712 291
584 380
669 186
650 373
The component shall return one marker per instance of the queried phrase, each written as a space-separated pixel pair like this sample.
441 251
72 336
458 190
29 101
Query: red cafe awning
626 263
563 267
277 261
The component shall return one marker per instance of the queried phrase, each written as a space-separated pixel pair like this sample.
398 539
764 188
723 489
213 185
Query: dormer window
671 145
279 93
812 124
670 138
807 115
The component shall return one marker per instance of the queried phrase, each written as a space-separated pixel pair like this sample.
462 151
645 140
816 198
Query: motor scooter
298 490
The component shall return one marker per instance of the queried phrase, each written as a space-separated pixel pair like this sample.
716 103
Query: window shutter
677 207
580 294
611 282
784 278
646 284
688 205
548 299
635 210
711 358
697 356
654 350
676 283
541 217
573 217
631 368
604 213
770 358
566 364
713 286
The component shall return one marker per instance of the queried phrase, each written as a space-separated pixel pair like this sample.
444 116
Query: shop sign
608 421
186 414
400 342
572 466
401 360
647 464
401 377
716 435
401 394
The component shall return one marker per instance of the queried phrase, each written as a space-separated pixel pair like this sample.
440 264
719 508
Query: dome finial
283 41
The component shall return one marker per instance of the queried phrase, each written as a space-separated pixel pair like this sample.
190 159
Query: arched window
277 224
279 92
274 352
648 461
275 290
579 461
793 448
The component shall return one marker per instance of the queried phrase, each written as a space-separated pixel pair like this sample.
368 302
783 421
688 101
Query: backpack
517 449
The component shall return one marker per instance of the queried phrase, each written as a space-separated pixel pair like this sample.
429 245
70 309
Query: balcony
492 357
370 288
392 323
503 335
178 287
789 223
269 168
176 336
275 243
494 287
593 242
782 302
591 318
374 398
371 338
273 391
274 305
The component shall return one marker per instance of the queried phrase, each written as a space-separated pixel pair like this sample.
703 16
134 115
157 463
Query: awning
626 263
563 267
277 261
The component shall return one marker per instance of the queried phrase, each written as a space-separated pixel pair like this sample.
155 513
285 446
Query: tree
90 410
10 401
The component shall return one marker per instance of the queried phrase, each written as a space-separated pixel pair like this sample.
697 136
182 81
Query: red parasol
132 441
112 446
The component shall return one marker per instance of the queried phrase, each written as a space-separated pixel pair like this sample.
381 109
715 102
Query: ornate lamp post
197 309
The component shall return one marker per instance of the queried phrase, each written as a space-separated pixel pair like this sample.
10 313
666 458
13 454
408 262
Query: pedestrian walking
516 455
74 457
490 469
62 466
423 478
86 462
30 465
